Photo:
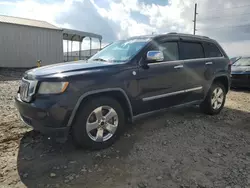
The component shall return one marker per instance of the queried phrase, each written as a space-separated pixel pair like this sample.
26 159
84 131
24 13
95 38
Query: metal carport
78 36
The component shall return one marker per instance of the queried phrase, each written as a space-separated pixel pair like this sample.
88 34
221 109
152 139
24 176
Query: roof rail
186 34
205 37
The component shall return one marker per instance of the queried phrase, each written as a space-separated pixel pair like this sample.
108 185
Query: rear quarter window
211 50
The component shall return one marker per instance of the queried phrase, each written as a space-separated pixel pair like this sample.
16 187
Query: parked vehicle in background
241 73
126 80
234 59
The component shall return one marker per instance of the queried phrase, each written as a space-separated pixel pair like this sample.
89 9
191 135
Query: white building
24 41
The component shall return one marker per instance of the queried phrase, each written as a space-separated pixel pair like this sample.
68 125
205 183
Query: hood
62 69
240 69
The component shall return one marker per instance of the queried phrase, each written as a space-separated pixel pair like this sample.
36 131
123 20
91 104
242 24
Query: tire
208 105
88 115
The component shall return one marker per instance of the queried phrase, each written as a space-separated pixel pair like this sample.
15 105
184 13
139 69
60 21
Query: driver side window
169 50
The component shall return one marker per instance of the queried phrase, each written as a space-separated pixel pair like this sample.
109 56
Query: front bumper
44 116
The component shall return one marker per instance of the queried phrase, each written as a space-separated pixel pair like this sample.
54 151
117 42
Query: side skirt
141 116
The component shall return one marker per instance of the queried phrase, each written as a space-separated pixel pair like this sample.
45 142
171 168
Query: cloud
34 9
84 16
239 48
141 18
220 20
116 19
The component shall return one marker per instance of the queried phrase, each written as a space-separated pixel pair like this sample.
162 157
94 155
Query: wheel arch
116 93
223 79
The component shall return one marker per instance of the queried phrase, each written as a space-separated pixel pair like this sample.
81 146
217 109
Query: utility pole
195 13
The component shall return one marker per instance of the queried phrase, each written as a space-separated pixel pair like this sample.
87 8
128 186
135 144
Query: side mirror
155 56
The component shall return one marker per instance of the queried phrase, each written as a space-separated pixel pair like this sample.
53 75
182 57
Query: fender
208 86
226 75
73 114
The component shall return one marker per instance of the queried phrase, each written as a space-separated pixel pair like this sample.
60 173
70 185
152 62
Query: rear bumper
45 117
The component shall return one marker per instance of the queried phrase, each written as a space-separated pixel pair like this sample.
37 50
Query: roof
188 35
169 34
142 37
183 35
27 22
74 35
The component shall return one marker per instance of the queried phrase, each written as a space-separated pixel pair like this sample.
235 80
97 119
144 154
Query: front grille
24 90
27 89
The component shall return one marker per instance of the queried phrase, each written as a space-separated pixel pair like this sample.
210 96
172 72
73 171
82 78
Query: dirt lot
178 148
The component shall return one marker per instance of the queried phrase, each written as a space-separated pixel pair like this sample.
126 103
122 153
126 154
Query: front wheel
215 99
98 124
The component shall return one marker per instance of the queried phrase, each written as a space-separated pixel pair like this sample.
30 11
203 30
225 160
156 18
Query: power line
219 17
224 27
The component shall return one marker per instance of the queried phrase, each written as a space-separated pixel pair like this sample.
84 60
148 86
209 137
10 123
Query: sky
224 20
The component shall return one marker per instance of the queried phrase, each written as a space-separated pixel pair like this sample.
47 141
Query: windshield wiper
99 59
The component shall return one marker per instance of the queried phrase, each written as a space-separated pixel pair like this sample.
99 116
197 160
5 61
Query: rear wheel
215 99
98 123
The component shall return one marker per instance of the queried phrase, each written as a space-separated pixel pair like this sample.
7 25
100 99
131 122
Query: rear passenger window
170 51
211 50
191 50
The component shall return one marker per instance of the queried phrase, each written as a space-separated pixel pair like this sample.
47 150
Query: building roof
68 34
27 22
74 35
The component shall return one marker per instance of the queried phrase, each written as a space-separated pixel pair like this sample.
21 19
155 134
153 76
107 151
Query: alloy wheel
102 123
217 98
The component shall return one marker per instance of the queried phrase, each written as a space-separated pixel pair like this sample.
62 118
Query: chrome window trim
207 58
171 94
186 60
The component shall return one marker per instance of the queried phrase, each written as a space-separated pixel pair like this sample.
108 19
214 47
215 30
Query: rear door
215 62
193 56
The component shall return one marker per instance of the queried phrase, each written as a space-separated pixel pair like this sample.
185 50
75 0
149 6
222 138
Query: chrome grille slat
24 89
27 89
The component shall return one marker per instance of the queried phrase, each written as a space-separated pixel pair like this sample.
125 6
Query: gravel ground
178 148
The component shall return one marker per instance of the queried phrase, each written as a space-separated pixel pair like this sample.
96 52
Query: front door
162 84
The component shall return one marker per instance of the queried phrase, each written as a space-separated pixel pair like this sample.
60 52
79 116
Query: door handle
178 66
209 63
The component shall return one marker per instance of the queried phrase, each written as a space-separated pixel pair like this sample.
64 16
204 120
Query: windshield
120 51
242 62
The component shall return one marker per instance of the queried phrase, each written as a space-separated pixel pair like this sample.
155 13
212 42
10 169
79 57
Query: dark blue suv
93 100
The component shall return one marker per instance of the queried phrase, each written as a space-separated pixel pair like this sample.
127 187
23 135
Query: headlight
52 87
